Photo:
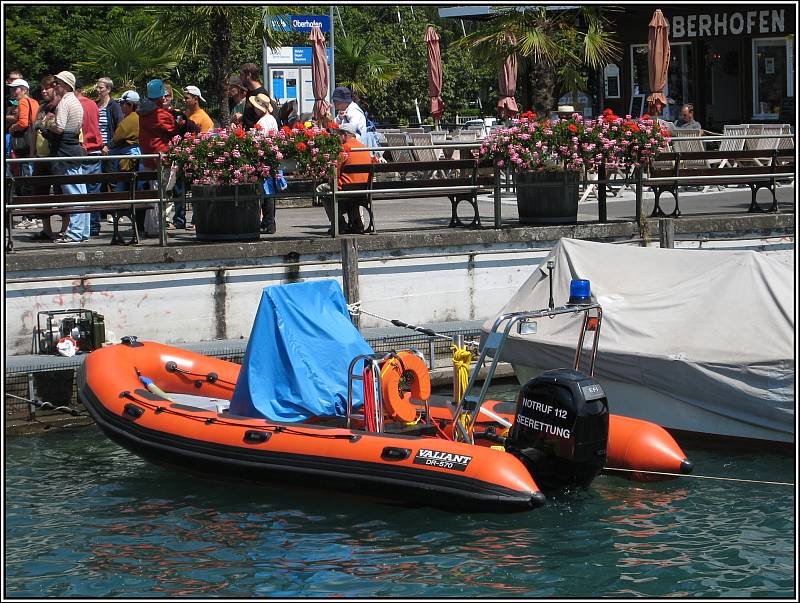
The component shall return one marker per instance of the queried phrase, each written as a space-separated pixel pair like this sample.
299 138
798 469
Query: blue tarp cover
299 351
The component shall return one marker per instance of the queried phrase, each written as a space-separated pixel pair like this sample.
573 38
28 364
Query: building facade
735 63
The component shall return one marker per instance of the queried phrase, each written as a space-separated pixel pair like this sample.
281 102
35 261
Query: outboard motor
561 428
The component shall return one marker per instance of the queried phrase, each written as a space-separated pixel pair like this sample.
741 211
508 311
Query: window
679 88
773 75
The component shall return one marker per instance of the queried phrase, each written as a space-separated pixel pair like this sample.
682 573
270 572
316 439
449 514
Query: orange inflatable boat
170 406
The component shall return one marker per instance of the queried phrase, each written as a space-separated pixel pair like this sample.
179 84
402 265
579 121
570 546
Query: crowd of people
65 124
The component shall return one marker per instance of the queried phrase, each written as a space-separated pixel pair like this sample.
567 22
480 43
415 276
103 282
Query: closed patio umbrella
657 57
507 85
319 75
434 73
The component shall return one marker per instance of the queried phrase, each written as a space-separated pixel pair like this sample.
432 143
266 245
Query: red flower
301 146
608 112
239 133
646 116
258 127
572 128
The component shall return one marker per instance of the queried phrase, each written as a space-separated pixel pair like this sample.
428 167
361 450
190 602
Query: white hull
641 402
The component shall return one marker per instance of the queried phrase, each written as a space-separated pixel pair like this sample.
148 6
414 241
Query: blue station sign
301 23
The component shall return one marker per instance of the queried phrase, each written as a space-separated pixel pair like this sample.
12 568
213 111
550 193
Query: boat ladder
469 405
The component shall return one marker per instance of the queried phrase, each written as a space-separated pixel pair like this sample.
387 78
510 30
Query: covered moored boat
700 342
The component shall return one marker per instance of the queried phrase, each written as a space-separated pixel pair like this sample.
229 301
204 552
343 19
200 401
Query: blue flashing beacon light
580 292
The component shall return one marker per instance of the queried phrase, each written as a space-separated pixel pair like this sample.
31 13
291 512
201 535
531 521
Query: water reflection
87 519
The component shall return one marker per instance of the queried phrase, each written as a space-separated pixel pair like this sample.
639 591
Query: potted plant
312 149
226 169
548 157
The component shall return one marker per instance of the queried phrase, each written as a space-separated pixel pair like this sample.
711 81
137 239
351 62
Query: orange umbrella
507 80
319 75
657 57
434 73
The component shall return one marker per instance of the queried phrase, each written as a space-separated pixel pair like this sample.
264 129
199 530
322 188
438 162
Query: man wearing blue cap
157 126
348 111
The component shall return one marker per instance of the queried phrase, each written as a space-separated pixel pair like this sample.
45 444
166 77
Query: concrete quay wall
200 292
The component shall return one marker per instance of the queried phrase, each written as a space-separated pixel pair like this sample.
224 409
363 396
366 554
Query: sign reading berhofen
724 24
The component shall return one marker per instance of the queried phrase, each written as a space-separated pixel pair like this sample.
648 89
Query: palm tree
360 67
130 56
210 29
554 48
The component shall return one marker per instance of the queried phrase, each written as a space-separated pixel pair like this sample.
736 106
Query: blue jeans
79 224
123 186
94 167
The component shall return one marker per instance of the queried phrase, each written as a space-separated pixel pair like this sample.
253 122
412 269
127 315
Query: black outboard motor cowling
561 428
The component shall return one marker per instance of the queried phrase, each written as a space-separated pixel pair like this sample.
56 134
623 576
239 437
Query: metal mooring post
31 396
432 353
498 200
350 274
666 232
601 193
638 176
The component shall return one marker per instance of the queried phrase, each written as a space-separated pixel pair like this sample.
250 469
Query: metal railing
636 178
134 201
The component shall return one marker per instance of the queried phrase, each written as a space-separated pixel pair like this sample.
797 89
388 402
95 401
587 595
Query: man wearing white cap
191 99
125 140
63 136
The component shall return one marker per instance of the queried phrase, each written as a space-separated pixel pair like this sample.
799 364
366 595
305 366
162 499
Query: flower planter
227 212
555 202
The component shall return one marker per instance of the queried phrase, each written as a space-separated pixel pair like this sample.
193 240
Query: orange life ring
398 404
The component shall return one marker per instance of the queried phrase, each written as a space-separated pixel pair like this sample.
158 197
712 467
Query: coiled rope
462 360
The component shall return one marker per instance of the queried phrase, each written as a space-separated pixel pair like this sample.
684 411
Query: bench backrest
732 143
438 136
466 136
755 144
689 146
398 139
786 143
423 140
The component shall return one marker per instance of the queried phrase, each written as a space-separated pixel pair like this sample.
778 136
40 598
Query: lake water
84 518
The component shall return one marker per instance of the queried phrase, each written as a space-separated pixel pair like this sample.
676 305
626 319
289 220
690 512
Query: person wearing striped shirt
63 134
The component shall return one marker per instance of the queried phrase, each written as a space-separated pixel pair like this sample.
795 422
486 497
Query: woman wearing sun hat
263 107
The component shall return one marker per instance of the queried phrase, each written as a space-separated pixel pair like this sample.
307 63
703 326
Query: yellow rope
462 360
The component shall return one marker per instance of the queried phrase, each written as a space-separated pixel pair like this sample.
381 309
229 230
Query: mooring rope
50 406
727 479
356 309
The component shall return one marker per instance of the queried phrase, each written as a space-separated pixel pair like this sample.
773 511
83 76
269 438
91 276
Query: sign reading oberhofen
728 24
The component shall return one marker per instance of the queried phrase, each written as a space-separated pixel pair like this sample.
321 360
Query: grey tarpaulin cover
713 328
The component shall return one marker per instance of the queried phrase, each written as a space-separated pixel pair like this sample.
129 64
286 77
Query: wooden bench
462 173
689 165
119 203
